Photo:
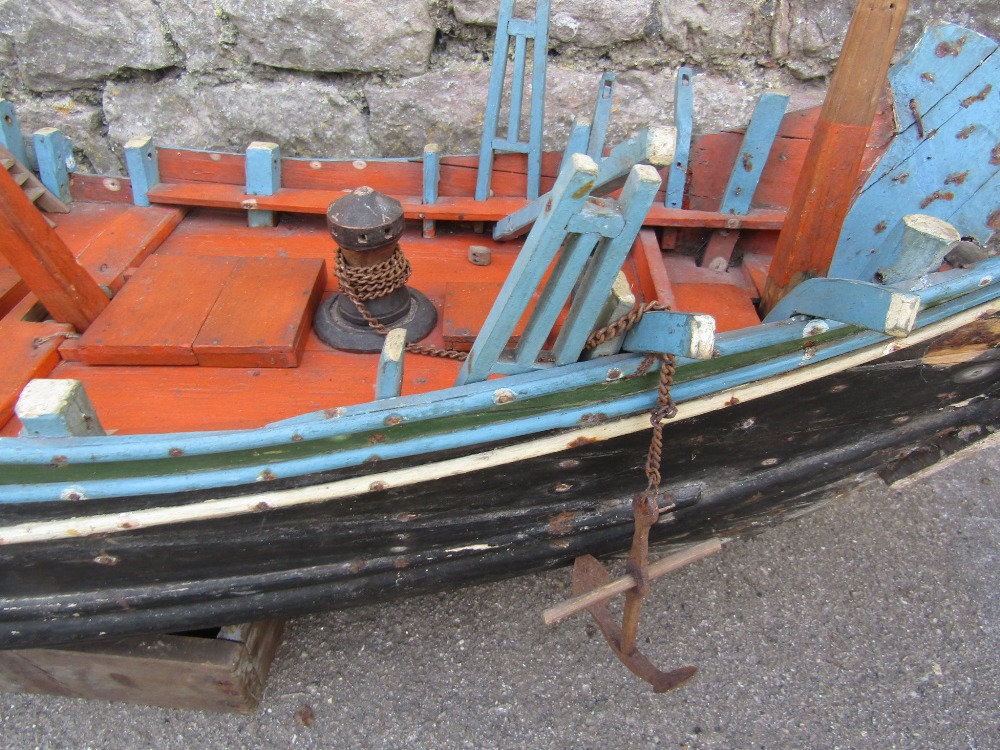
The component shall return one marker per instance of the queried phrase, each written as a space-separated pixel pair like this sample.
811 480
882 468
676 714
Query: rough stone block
203 34
305 117
716 33
580 23
61 46
80 122
368 36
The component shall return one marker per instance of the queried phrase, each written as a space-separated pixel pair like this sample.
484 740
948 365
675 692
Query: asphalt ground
873 622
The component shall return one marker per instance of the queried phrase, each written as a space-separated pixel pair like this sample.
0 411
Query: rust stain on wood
937 195
980 97
944 49
957 178
561 524
964 133
965 344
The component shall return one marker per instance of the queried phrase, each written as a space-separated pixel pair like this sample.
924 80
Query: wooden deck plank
126 241
156 317
12 288
263 314
28 352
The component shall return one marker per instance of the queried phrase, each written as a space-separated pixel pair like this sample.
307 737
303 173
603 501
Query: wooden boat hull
730 470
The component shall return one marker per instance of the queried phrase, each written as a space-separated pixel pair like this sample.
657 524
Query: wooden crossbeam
44 261
654 146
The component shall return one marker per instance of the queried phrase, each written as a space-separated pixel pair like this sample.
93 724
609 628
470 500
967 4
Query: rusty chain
361 283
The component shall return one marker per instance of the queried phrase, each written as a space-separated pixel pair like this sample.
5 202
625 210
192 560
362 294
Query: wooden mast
43 260
823 193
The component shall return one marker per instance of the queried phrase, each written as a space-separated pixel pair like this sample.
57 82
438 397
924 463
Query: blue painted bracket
521 30
602 116
10 132
54 154
432 178
143 168
653 146
536 255
389 378
684 122
916 245
872 306
944 162
682 334
263 173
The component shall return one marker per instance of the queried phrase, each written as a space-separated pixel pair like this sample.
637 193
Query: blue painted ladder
521 30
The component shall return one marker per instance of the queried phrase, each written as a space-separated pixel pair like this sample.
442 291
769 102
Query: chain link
361 283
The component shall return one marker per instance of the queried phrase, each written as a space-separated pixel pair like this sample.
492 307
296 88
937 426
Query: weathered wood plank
262 315
156 317
143 168
227 673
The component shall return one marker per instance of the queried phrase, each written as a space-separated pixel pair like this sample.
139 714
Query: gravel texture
871 623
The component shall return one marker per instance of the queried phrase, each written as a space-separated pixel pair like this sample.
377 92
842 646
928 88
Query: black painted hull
730 471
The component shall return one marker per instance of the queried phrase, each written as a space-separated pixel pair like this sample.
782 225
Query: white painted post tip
56 408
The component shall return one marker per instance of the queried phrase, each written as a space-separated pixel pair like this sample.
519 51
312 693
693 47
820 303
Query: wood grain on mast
825 187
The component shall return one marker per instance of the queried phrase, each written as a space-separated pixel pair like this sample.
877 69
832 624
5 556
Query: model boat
214 411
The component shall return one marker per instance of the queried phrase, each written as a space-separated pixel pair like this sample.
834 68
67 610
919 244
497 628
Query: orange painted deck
200 223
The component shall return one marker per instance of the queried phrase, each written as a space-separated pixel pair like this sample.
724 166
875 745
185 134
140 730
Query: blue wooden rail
263 174
684 122
521 30
743 180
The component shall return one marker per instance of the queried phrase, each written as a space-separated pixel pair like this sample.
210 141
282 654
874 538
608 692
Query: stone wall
351 78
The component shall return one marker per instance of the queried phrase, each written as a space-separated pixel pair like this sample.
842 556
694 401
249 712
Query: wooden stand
222 673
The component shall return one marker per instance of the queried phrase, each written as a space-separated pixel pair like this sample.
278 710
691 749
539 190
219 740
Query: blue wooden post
143 168
536 124
432 178
389 377
54 153
916 245
52 408
263 172
602 116
684 122
10 132
664 332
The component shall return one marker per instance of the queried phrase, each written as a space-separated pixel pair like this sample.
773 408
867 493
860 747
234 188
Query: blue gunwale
939 301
